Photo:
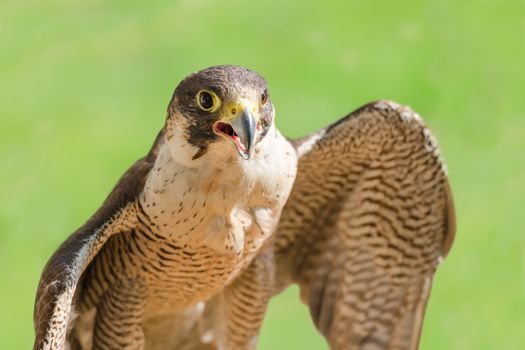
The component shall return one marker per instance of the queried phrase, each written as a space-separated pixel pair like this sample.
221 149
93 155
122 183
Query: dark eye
206 100
264 97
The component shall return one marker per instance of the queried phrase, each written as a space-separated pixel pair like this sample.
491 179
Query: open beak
241 129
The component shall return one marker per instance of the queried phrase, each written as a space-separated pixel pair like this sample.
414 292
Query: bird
224 213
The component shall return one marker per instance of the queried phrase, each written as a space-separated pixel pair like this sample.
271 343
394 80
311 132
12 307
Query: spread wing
53 306
368 220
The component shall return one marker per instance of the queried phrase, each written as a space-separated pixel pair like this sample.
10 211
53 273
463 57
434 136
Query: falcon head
227 107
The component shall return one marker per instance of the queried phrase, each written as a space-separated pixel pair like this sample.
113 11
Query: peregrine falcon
224 213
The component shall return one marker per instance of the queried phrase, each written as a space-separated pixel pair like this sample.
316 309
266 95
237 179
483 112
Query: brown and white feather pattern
186 233
367 223
57 289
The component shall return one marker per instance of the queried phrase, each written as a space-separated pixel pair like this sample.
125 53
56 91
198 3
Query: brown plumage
187 251
364 229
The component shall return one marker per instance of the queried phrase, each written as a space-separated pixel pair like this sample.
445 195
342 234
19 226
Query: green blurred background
83 91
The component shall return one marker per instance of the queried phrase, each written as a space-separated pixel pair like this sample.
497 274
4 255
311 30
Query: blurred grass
83 91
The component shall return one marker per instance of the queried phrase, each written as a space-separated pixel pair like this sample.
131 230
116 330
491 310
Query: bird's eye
207 100
264 97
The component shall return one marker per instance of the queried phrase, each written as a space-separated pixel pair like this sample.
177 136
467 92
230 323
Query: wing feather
368 220
56 290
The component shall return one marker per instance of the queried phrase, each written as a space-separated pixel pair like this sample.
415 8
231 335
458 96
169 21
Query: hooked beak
241 129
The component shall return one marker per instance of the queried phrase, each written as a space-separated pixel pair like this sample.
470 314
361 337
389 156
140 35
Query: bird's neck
203 197
220 168
217 156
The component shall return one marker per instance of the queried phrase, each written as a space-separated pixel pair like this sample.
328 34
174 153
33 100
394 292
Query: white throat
214 200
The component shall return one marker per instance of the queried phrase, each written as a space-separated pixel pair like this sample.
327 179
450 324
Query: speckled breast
179 271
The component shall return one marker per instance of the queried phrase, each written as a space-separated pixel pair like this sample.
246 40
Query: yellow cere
234 108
